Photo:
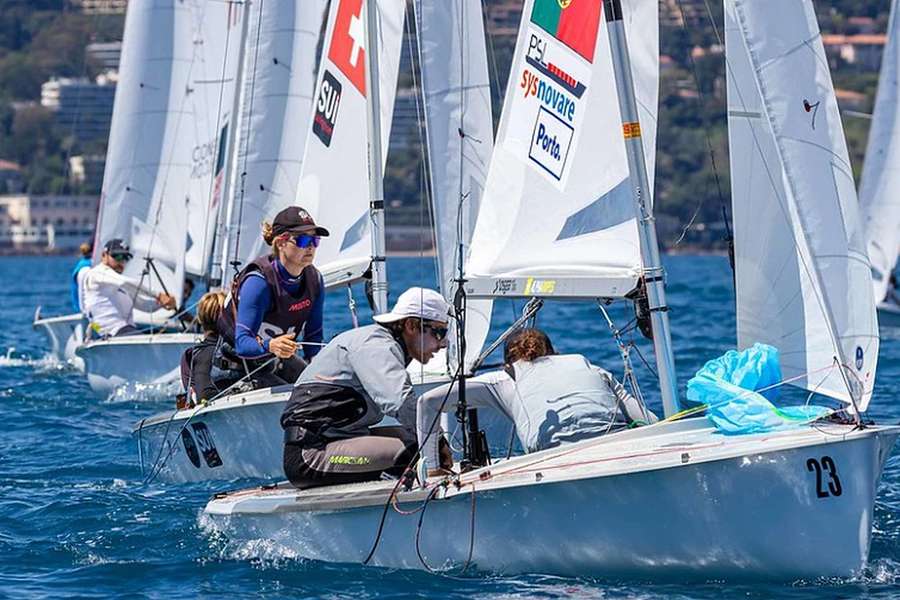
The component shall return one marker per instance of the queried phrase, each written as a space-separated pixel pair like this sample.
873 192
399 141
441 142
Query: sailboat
539 512
333 183
162 187
881 177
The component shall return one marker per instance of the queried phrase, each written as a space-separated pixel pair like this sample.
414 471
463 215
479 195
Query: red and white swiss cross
347 50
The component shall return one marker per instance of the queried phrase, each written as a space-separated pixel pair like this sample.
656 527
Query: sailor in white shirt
110 297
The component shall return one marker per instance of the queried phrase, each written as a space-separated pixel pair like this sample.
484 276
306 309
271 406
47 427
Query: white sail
334 176
456 93
802 275
276 98
178 62
879 192
558 203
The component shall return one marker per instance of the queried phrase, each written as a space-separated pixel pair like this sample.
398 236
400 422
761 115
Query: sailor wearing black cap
274 299
110 297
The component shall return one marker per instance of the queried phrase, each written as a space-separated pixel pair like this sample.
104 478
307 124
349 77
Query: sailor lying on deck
359 377
551 398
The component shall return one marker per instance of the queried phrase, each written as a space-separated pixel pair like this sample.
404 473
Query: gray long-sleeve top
369 360
553 400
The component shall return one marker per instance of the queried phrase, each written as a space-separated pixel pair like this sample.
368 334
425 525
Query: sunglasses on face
305 241
121 257
438 332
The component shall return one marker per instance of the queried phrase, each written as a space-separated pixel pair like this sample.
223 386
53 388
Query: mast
654 275
376 162
226 214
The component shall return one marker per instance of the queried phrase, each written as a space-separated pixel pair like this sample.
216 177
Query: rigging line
154 471
232 5
701 102
415 63
413 460
421 558
169 161
237 237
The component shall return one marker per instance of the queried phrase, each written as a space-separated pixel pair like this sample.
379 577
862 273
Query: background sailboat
881 178
246 427
161 191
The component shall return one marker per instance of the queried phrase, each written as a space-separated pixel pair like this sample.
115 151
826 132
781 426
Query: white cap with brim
416 302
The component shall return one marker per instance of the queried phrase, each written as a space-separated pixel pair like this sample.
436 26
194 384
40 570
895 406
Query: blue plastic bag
739 388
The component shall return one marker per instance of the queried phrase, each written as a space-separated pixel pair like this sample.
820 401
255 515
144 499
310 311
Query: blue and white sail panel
802 275
879 192
557 213
459 129
276 102
334 177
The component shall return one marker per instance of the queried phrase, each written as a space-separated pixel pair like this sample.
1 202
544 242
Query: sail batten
802 278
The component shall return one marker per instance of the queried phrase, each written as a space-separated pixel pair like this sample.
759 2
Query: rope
158 466
680 415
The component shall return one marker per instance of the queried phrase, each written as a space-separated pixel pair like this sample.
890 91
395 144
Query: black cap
294 219
117 247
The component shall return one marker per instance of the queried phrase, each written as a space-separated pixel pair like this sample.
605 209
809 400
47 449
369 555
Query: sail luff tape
631 130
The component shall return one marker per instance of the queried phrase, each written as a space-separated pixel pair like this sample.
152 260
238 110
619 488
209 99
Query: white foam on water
145 392
48 362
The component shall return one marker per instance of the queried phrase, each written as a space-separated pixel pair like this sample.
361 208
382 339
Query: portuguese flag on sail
572 22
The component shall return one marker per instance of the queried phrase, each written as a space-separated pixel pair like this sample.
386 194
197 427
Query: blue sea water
76 519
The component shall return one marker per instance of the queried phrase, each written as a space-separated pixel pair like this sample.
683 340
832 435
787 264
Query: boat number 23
827 481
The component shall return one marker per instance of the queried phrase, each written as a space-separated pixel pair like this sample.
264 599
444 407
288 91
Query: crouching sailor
358 378
551 398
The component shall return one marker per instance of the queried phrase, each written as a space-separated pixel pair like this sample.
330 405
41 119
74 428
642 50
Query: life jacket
217 372
315 408
286 313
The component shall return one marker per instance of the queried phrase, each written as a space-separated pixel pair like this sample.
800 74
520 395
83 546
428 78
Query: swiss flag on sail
347 49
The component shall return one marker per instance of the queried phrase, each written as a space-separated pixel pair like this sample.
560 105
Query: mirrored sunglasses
305 241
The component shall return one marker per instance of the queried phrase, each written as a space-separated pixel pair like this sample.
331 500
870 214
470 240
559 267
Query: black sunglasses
121 257
438 332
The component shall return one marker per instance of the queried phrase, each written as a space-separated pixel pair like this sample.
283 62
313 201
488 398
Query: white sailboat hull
673 500
151 358
237 436
62 335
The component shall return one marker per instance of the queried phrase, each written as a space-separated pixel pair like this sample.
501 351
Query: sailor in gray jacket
551 399
348 388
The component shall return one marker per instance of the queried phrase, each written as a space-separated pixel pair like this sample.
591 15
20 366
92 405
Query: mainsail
459 131
276 98
879 192
334 176
558 215
171 112
802 276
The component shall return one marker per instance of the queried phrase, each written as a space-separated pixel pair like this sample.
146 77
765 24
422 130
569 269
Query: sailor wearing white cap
357 379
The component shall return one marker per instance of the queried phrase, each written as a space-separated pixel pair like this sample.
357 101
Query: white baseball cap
417 302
